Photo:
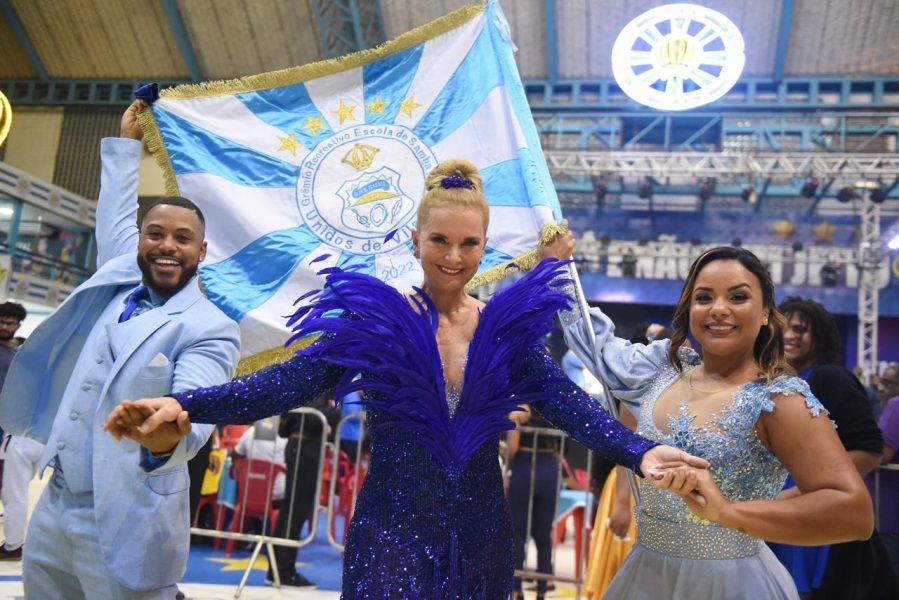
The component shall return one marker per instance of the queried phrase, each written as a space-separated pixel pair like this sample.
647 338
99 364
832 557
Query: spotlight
846 194
893 244
877 195
797 246
605 239
643 241
706 189
644 189
829 274
810 188
695 241
736 242
748 194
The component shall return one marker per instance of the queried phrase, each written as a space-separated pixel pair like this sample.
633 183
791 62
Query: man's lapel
125 338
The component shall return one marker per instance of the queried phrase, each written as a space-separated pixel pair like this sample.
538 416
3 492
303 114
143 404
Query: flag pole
590 335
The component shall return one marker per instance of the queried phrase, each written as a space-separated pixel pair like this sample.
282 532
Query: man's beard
5 337
165 290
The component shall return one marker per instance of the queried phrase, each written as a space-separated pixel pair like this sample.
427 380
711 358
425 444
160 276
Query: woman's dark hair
827 347
769 344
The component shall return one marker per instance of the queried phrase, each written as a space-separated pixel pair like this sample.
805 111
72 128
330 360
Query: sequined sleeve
579 415
626 368
268 392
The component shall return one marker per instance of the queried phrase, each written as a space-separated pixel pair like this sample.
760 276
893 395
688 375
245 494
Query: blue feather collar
374 332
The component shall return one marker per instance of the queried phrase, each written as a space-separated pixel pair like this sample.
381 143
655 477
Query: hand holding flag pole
560 246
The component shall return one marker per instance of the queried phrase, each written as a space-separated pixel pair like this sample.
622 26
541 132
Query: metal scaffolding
724 167
871 255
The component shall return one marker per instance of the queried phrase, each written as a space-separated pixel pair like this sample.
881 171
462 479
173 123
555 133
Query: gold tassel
520 264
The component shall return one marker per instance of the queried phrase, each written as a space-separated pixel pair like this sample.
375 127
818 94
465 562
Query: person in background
871 386
302 454
262 442
888 497
852 570
22 454
533 501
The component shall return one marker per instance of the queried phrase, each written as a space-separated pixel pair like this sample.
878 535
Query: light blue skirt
648 575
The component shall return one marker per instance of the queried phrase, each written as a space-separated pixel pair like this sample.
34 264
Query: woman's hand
706 500
620 519
561 246
667 468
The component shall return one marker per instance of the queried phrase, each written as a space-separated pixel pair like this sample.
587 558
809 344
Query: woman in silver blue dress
740 408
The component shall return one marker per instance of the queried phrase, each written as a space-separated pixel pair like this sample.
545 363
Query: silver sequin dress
677 554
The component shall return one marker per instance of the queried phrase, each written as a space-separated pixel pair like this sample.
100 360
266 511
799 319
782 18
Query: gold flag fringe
520 264
323 68
272 356
525 262
155 145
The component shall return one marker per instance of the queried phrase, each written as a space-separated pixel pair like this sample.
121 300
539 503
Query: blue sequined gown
679 556
431 520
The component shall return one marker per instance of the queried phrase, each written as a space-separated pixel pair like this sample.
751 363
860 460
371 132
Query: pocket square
159 360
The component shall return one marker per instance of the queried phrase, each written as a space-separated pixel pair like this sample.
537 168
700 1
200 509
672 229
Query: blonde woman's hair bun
454 182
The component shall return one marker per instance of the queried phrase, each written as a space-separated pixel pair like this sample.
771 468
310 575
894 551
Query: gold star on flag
408 105
289 144
376 107
313 125
345 111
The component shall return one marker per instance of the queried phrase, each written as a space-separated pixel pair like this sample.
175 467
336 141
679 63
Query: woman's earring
416 252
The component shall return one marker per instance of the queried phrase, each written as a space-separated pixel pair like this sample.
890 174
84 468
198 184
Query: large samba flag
323 165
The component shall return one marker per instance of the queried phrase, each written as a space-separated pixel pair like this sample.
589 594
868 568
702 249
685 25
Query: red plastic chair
346 486
231 435
255 493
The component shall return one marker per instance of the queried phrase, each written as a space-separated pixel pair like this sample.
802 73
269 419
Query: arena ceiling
220 39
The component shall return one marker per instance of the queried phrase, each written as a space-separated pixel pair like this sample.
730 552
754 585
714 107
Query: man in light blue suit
113 522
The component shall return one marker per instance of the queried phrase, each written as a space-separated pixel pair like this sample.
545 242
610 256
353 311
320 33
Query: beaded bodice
741 465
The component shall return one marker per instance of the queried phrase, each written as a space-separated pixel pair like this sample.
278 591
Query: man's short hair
14 310
145 204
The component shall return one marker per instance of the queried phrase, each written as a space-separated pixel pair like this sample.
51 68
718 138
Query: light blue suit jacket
142 517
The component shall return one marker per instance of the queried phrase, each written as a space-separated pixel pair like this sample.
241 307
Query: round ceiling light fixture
5 118
678 56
